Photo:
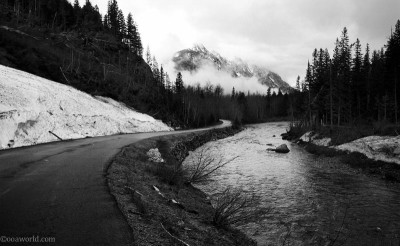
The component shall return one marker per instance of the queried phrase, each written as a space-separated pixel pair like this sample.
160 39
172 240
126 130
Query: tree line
61 15
102 55
353 85
197 106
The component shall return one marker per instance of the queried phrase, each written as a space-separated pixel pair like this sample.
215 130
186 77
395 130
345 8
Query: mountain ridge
195 58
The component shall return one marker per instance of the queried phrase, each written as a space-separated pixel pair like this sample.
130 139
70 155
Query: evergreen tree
91 17
392 55
298 83
106 22
366 73
162 77
155 70
138 43
122 26
357 78
130 31
77 12
179 83
148 57
112 13
308 83
167 82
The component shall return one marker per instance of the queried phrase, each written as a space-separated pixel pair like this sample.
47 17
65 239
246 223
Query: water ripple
311 196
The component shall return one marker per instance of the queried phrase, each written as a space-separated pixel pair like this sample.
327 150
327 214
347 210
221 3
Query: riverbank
373 155
158 206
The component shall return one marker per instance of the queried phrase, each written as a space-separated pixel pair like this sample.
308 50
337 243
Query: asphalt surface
59 190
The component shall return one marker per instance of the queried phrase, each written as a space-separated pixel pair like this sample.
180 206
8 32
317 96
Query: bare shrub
202 166
236 207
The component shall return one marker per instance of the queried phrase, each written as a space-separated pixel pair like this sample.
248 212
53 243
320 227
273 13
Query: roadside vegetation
162 208
237 207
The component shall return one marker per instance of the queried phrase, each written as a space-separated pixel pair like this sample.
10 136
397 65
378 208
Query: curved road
59 190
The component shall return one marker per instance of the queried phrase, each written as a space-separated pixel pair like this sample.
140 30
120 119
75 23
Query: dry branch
234 206
177 239
203 165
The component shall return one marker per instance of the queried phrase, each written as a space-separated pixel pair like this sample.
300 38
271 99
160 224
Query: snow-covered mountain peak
200 48
194 59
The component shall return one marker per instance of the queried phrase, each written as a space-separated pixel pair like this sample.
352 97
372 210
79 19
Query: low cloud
209 74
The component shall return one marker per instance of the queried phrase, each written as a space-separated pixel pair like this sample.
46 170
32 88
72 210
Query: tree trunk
330 94
395 97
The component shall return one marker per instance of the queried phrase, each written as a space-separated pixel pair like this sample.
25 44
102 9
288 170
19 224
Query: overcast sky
279 34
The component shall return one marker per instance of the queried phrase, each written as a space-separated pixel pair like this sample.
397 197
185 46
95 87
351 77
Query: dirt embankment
158 206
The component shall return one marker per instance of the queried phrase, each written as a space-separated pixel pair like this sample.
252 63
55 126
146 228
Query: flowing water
313 200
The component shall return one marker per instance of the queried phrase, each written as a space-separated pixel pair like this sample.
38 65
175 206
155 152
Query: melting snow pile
383 148
313 138
31 106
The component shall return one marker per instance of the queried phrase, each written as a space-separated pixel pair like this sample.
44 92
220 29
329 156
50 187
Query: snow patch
272 79
31 106
311 137
382 148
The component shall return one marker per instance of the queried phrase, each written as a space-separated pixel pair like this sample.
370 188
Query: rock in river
282 149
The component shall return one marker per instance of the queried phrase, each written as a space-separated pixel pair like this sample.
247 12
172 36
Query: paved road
59 190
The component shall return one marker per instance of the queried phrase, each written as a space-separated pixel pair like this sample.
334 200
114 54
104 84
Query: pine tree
130 31
155 70
233 94
148 57
122 26
392 55
77 12
106 22
298 83
341 75
357 83
366 73
308 84
167 82
178 83
162 77
138 43
112 14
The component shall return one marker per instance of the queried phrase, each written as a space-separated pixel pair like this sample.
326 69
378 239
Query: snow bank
311 137
31 106
382 148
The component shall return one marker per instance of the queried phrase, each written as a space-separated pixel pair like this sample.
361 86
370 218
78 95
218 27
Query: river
313 200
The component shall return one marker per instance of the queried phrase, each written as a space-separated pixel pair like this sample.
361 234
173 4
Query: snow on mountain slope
31 106
195 58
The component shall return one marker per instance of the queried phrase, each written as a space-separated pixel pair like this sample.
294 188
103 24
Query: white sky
279 34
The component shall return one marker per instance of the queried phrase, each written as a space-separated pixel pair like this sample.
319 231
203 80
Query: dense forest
353 85
102 55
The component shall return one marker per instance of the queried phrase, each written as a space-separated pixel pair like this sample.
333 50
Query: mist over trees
352 85
102 55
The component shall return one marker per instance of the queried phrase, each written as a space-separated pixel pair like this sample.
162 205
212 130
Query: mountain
195 58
